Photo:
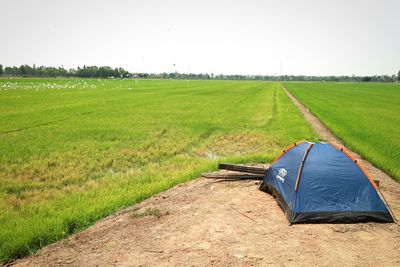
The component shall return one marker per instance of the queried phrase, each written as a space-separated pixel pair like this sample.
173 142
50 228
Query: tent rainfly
321 182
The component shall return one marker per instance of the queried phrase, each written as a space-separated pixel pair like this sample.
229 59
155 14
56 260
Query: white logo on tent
281 174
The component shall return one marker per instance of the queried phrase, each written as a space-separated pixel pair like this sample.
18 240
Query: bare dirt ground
204 222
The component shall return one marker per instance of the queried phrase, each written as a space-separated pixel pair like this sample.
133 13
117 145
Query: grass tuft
147 212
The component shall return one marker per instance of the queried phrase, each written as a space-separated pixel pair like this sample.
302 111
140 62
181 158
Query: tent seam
301 166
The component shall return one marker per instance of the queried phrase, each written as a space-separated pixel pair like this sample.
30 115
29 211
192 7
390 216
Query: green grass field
365 116
73 151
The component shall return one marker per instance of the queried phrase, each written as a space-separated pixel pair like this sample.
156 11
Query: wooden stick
243 214
154 250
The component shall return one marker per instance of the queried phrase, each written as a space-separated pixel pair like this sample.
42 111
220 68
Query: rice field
366 116
73 151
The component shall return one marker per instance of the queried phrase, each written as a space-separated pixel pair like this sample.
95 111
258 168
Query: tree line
108 72
82 72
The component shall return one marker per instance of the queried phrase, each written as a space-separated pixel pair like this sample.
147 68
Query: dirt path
227 224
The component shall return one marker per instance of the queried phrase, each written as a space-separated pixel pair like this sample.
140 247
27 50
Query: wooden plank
242 168
232 176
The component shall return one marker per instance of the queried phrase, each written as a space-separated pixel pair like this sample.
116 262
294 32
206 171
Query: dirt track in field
227 224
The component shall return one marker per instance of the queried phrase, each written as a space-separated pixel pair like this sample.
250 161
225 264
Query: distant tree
398 76
1 69
366 79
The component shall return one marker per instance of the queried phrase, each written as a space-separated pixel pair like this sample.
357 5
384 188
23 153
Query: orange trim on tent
301 166
286 150
356 162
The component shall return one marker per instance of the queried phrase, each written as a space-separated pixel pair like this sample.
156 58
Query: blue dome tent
321 182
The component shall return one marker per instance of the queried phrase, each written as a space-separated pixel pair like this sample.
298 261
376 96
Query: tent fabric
331 186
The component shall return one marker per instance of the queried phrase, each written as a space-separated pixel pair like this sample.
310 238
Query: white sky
232 37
